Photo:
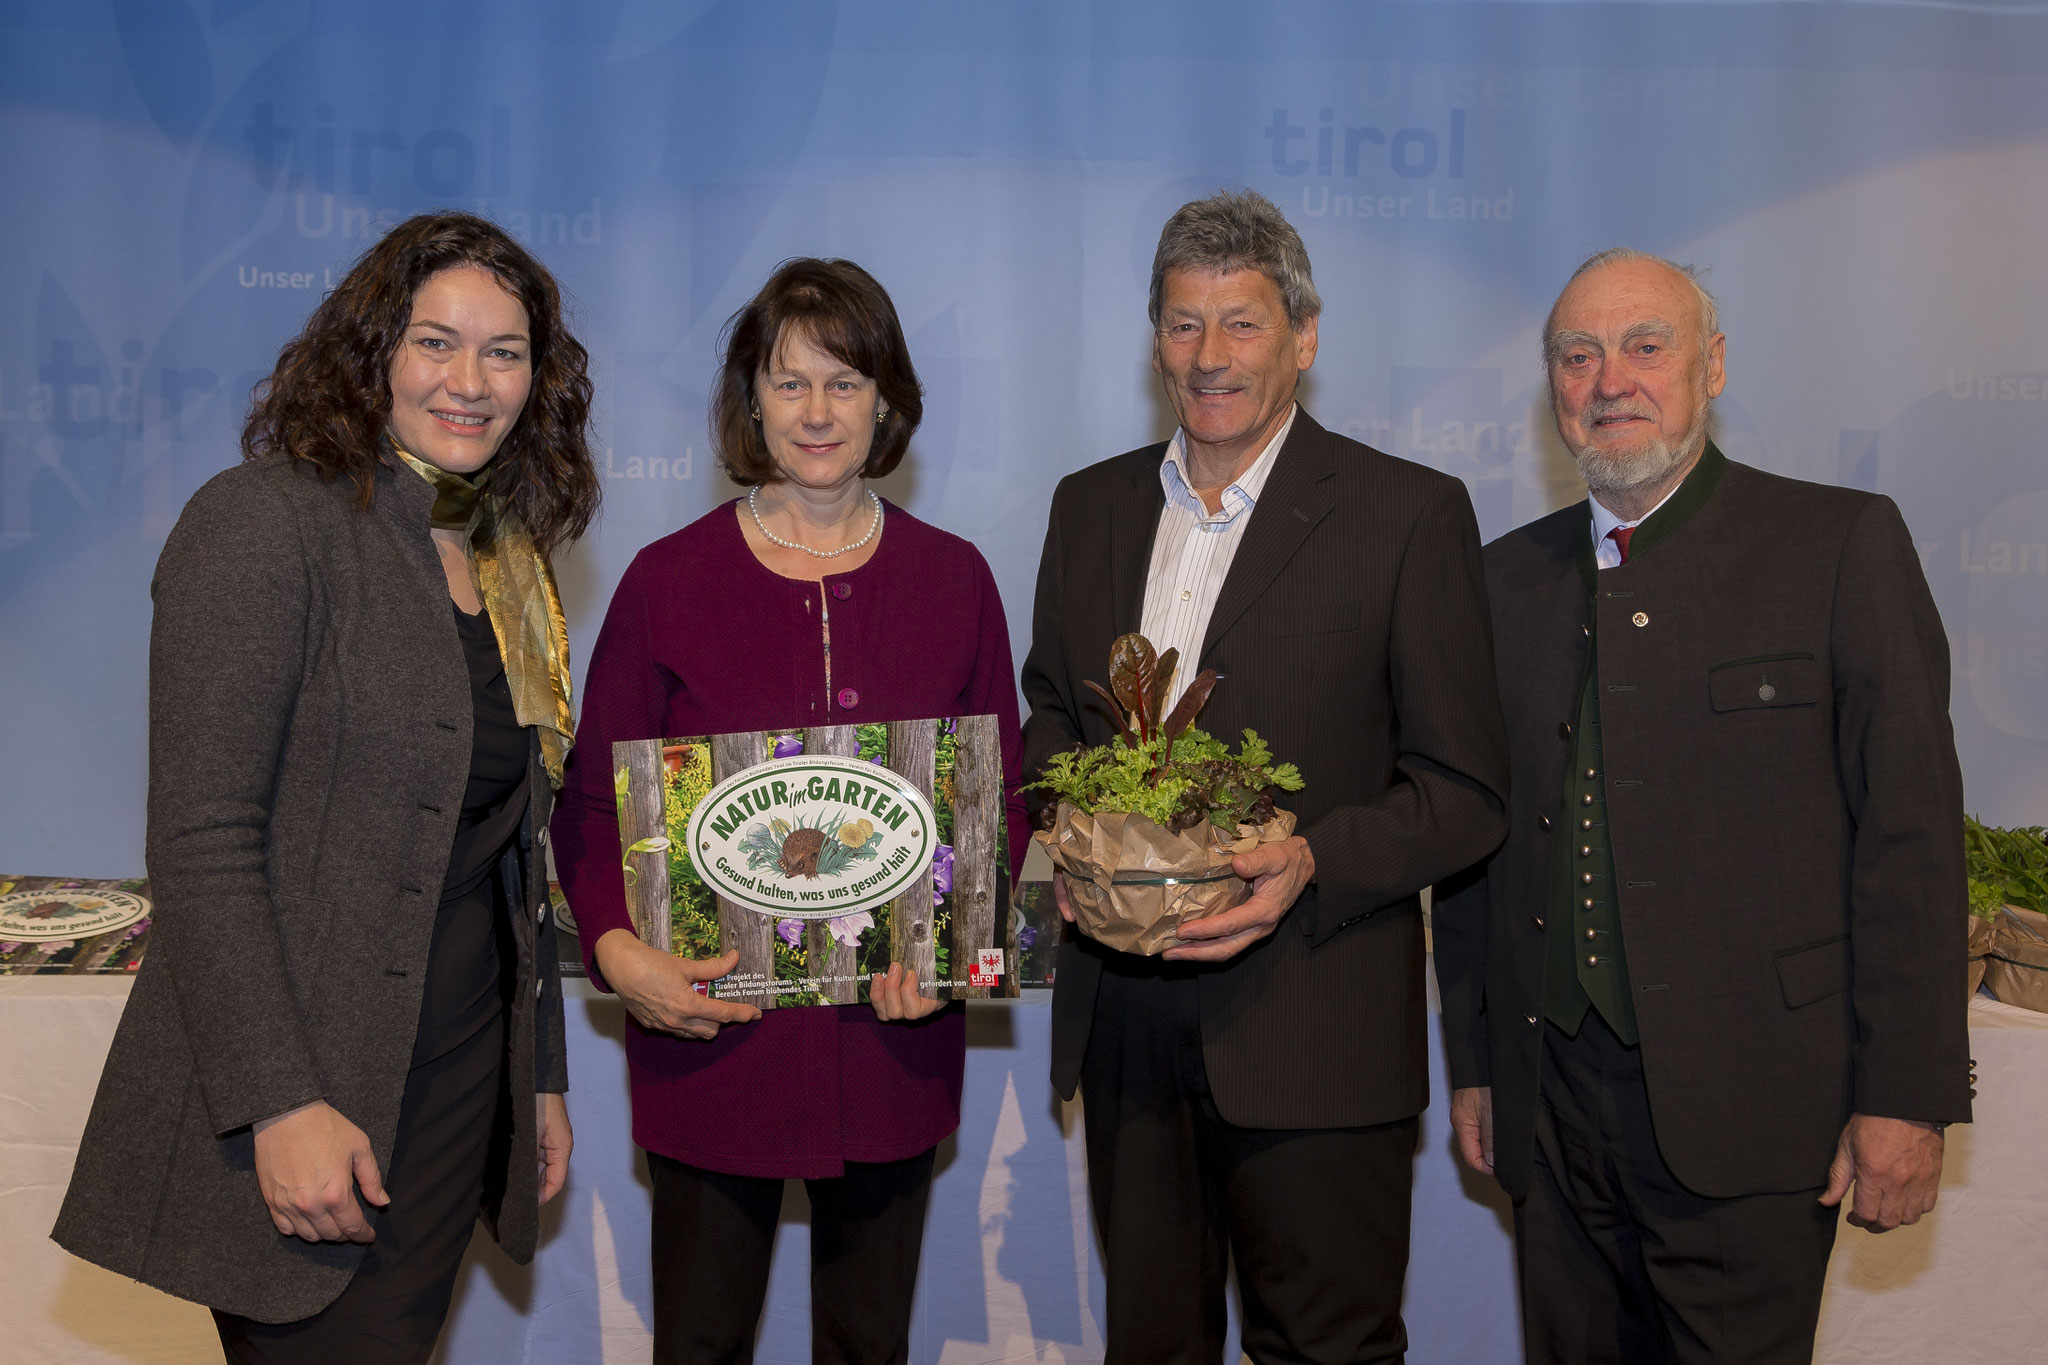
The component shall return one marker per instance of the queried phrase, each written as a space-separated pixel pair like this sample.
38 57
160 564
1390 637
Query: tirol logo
66 913
812 837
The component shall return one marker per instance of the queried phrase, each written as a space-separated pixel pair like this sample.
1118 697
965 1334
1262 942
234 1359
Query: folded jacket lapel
1133 520
1295 499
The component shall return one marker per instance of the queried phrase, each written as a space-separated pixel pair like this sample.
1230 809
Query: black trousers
713 1237
392 1311
1316 1220
1621 1263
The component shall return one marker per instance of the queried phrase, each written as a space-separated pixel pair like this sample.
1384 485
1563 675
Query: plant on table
2006 867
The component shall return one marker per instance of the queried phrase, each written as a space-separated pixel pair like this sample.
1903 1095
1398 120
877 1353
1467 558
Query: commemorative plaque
823 856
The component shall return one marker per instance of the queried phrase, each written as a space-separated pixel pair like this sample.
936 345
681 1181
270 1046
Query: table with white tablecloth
1009 1269
1967 1285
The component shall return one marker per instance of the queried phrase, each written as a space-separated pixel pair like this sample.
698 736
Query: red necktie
1619 535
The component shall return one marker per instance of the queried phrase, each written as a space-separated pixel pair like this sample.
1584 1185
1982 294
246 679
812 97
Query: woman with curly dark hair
346 1039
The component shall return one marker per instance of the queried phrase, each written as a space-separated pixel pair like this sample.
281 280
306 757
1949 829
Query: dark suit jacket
309 736
1351 631
1786 812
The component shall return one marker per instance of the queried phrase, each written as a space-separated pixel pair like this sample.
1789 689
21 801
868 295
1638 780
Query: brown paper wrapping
2016 968
1094 851
1982 931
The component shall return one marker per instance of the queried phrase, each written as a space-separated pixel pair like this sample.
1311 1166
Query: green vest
1587 967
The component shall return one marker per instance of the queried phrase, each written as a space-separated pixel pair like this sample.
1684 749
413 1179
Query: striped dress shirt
1192 550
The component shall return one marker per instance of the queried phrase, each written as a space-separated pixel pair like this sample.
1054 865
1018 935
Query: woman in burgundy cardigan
809 602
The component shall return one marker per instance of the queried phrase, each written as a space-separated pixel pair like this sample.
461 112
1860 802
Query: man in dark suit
1714 977
1254 1091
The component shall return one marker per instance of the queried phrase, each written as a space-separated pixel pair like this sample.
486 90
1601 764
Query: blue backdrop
1867 181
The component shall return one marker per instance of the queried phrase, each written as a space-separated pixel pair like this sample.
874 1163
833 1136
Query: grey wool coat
309 744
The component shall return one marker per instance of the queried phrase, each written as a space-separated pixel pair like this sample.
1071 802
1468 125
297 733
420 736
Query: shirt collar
1243 492
1605 521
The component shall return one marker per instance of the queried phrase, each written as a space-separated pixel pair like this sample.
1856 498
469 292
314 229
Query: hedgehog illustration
800 853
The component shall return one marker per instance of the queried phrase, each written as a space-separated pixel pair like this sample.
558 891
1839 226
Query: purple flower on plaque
876 760
790 931
788 746
1026 936
847 929
942 874
137 930
8 947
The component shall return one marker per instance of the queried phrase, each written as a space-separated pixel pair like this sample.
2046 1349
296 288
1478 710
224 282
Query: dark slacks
392 1310
1621 1263
713 1237
1316 1220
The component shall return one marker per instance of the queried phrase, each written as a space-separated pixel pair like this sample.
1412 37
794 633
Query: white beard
1622 472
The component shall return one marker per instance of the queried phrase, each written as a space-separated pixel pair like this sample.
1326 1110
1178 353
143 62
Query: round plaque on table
58 912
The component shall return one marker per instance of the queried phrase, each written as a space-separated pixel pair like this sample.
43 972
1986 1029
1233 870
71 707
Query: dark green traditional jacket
1761 692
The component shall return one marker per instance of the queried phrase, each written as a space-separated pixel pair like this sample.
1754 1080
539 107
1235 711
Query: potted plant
1145 826
2008 870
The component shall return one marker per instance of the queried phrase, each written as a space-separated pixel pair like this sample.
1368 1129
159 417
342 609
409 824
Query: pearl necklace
873 527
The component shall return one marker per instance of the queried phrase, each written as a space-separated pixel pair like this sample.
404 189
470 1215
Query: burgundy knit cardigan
701 639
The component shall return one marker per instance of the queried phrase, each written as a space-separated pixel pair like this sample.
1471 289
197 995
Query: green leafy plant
843 839
849 838
1138 679
693 914
763 846
1167 770
656 843
2006 867
948 754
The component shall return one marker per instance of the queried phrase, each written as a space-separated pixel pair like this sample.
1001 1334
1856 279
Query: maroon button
848 699
842 591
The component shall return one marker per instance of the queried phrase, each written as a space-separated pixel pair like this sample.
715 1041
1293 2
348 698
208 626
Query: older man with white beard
1712 982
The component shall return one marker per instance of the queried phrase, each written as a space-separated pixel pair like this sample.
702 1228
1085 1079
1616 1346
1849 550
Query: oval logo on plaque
59 912
812 836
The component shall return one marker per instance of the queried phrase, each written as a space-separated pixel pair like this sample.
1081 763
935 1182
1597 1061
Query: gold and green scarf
517 586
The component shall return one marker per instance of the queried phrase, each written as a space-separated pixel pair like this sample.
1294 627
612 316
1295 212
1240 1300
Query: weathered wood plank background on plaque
825 955
913 756
977 873
644 817
752 934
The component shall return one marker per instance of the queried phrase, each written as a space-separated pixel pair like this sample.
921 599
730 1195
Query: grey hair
1237 231
1710 312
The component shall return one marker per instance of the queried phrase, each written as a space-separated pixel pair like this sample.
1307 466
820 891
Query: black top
464 975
